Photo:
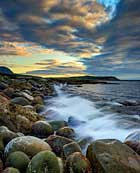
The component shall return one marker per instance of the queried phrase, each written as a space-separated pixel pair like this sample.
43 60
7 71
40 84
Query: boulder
18 160
45 161
10 170
70 148
112 156
28 144
66 132
6 134
42 129
9 92
39 108
3 85
27 96
72 121
78 163
57 143
58 124
20 101
38 100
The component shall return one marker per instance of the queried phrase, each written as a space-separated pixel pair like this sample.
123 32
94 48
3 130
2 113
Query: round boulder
27 144
6 134
18 160
10 170
71 148
45 161
57 143
20 101
66 132
42 129
78 163
58 124
112 156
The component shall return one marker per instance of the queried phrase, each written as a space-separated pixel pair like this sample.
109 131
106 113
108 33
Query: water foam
97 124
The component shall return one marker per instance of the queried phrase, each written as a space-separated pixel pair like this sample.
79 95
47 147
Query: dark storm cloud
121 52
58 24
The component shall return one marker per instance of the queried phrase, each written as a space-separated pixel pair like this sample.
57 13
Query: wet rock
45 161
66 132
39 108
42 129
38 100
3 85
135 145
58 124
3 103
112 156
70 148
1 145
20 101
10 170
57 142
9 92
28 144
72 121
78 163
85 142
18 160
6 134
26 95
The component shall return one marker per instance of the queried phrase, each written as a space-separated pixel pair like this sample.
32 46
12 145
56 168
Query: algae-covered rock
57 142
42 129
44 162
10 170
135 145
20 101
18 160
38 100
112 156
58 124
28 144
78 163
6 134
66 132
70 148
61 165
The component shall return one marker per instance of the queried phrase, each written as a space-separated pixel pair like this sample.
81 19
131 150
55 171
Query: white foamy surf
95 123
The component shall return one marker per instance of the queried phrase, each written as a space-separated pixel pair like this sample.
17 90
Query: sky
71 37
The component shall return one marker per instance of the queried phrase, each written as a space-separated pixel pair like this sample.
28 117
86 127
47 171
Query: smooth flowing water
94 117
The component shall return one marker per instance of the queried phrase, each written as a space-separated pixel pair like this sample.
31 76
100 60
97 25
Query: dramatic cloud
98 37
55 67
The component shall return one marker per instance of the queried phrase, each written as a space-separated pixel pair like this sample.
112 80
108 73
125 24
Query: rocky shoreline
30 144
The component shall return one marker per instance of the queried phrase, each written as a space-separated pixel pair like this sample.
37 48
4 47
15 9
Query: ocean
98 111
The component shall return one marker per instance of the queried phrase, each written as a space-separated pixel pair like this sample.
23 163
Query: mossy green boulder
42 129
112 156
28 144
44 162
10 170
18 160
78 163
